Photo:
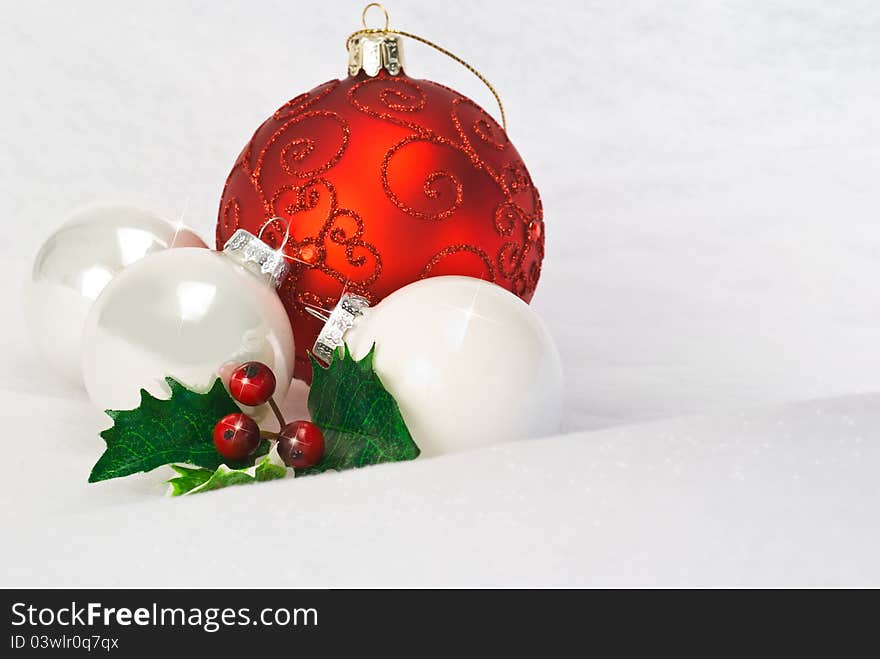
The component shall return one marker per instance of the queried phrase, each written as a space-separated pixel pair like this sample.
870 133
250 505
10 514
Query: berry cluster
236 436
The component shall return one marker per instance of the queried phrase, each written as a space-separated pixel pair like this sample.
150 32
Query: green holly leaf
267 470
223 476
360 419
159 432
188 479
196 481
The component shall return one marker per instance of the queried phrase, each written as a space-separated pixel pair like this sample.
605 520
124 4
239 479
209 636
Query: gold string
387 30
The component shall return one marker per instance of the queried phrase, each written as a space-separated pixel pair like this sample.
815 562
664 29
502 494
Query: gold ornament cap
375 49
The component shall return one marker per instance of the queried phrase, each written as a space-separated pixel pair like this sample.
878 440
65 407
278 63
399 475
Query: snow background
711 180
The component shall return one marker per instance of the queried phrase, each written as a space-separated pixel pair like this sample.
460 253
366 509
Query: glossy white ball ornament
469 363
74 265
191 314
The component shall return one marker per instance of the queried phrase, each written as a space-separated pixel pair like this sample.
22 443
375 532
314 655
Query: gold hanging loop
370 6
427 42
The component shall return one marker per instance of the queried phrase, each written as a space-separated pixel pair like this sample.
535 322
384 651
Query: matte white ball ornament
74 265
191 314
469 363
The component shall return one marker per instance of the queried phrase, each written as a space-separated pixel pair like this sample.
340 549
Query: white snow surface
711 180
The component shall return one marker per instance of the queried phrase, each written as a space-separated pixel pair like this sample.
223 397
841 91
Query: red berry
252 383
236 436
301 444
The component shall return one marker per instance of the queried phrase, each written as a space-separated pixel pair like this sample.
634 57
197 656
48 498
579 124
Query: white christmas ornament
75 264
469 363
191 314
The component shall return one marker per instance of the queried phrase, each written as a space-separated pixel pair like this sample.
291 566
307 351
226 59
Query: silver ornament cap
343 317
256 256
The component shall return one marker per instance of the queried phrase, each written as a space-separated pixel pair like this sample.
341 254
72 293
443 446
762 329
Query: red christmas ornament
379 180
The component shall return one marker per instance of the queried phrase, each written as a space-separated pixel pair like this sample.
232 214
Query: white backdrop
710 178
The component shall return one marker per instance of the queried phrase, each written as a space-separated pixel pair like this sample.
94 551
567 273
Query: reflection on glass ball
191 314
74 265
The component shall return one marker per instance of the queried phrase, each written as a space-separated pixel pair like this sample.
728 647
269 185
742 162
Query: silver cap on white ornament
248 250
341 319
